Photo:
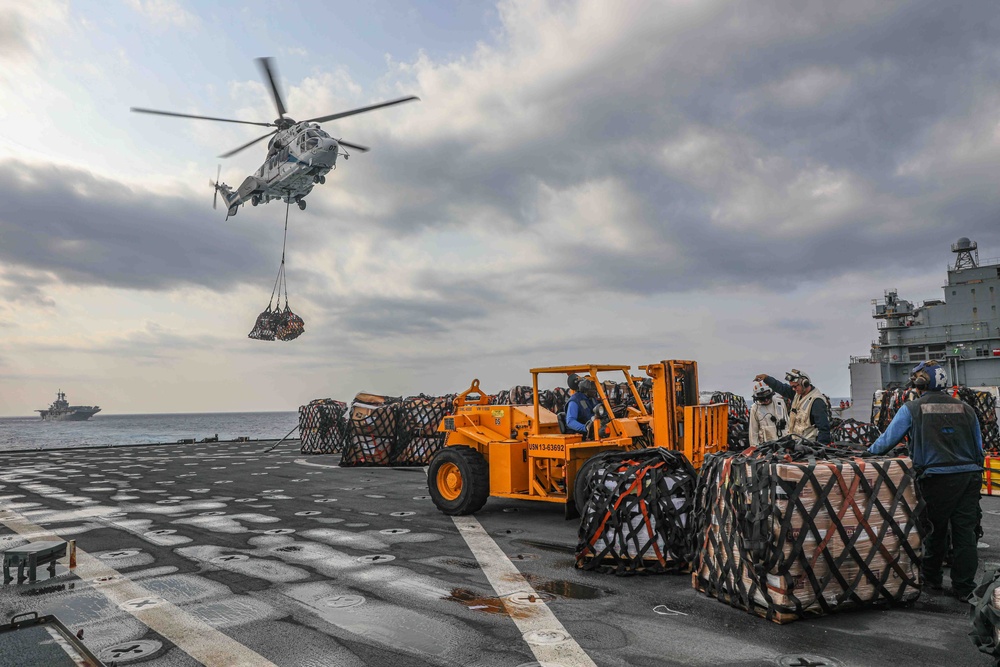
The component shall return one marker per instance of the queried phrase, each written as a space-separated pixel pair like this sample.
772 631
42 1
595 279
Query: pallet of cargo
793 529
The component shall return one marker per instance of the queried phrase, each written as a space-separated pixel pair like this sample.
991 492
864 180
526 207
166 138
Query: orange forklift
525 451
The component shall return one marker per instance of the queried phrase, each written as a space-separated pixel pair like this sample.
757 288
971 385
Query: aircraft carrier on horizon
61 410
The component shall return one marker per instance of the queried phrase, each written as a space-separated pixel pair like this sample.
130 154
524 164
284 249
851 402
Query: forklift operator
579 409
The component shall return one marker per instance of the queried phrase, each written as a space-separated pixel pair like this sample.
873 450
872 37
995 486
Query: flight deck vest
799 422
942 432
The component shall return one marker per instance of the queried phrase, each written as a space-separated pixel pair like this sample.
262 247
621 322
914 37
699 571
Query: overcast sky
581 182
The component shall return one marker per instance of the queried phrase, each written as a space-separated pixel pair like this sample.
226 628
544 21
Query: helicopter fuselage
298 158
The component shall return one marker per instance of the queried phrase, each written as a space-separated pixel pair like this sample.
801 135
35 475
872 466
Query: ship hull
68 416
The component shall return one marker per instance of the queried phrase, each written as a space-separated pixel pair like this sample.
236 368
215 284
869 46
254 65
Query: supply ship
962 330
61 410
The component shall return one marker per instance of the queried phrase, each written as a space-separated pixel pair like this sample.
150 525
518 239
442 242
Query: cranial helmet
761 392
929 376
795 375
573 382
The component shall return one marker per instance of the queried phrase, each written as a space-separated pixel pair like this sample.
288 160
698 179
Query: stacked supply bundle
500 398
885 407
792 529
323 426
638 512
985 406
739 419
373 436
553 399
419 418
851 430
986 614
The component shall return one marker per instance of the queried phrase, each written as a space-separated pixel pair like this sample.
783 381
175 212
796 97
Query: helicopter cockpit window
310 139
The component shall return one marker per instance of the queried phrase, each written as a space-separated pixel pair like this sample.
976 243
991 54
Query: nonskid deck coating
304 563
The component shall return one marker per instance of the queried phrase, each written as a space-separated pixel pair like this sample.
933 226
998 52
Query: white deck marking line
199 640
303 462
537 623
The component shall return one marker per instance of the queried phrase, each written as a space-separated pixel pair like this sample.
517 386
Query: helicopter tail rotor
215 184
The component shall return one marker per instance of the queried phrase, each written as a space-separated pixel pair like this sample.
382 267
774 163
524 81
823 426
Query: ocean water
34 433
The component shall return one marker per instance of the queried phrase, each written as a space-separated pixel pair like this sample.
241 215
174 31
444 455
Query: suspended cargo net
639 513
289 326
419 418
792 529
263 329
851 430
277 322
372 435
323 426
986 614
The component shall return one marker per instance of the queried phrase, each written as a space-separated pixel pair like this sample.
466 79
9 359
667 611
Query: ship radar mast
967 254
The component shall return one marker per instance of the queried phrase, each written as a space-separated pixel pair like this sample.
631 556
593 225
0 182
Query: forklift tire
458 480
581 485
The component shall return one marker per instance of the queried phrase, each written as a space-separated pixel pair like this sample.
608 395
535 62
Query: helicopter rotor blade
247 145
188 115
344 114
357 147
267 69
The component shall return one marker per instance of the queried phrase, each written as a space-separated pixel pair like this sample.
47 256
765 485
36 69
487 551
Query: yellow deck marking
199 640
545 635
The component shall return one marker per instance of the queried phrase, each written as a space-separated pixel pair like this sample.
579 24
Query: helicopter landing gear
302 204
319 179
255 200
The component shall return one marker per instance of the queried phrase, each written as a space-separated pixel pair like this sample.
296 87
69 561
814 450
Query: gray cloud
810 117
88 230
13 35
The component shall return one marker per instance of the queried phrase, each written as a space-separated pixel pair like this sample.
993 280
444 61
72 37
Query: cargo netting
390 431
793 529
982 402
985 406
639 514
738 436
853 431
263 328
419 418
556 399
986 614
323 426
276 322
372 424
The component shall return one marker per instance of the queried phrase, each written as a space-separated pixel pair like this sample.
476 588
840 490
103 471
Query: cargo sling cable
279 323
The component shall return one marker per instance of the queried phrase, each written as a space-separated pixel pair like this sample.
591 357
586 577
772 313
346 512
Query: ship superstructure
962 330
61 410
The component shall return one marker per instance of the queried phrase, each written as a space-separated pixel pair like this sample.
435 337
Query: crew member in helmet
768 419
809 415
946 445
579 409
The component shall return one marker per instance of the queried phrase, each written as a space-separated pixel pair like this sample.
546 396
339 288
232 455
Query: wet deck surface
191 552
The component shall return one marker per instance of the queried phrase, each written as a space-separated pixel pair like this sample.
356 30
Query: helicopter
299 153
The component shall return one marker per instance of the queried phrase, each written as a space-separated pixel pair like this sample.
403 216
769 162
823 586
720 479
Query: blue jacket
579 410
